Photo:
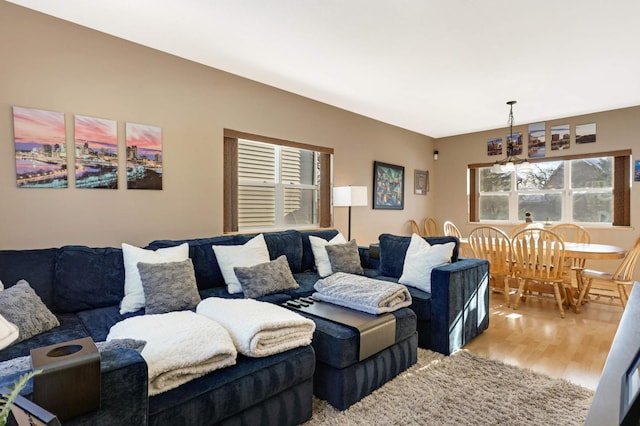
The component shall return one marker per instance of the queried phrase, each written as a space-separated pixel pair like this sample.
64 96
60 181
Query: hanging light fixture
508 164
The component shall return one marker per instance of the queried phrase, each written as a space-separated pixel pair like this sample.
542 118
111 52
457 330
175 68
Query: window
584 189
274 184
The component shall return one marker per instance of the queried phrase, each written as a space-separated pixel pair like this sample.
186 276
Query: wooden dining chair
451 230
539 265
621 280
525 225
493 245
431 228
415 228
572 233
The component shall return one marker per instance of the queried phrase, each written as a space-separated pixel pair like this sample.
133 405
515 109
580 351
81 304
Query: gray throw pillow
266 278
345 258
169 286
21 306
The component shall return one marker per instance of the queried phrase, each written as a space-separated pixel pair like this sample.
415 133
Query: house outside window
574 190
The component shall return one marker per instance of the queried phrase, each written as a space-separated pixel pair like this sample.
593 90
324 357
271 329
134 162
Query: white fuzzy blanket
362 293
181 346
259 328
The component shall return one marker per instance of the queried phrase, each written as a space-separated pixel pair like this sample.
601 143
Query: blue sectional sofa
83 287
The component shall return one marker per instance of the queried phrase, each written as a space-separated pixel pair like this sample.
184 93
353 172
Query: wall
616 130
55 65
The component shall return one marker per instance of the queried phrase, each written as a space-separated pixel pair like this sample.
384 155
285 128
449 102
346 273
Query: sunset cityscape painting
144 156
96 152
40 144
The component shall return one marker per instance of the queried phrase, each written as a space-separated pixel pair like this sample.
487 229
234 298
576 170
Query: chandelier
508 164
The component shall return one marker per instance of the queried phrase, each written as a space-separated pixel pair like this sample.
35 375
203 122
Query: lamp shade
344 196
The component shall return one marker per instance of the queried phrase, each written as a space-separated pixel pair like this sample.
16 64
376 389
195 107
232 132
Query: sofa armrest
459 303
123 389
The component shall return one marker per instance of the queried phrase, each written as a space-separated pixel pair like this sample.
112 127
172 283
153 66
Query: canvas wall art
144 156
494 146
586 133
388 184
560 137
96 152
41 148
516 139
537 140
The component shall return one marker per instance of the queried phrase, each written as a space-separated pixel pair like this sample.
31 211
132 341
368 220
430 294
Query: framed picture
421 182
494 146
636 171
560 137
144 156
96 141
41 148
586 133
388 184
537 140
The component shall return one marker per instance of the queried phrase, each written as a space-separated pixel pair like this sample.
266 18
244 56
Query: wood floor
535 337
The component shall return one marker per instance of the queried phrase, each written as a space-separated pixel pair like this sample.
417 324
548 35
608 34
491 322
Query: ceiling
437 67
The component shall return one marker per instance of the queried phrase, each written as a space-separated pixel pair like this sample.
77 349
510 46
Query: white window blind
277 186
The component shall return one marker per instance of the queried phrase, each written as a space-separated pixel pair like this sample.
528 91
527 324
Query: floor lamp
349 196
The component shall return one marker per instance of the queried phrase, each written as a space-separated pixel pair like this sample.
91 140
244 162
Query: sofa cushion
308 260
266 278
344 258
287 243
205 263
133 292
393 249
87 278
99 321
70 328
34 266
22 307
251 253
168 286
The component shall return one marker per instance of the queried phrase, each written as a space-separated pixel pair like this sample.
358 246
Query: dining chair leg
584 291
519 294
507 295
556 291
622 291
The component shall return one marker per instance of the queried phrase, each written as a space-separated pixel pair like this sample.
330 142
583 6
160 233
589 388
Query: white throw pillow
420 260
133 291
9 332
1 286
318 247
251 253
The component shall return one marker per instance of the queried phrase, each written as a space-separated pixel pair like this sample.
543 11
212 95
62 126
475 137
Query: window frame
231 181
621 186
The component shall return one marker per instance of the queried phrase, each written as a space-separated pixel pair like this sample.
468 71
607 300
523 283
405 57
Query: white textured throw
181 346
362 293
259 329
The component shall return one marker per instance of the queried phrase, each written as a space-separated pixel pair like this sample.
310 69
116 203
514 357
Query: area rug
464 389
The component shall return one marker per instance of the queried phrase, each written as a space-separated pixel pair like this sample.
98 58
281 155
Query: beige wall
616 130
55 65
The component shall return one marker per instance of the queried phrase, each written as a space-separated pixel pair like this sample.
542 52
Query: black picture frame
388 186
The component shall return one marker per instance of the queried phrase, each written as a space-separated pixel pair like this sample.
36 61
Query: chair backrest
525 225
493 245
626 268
415 228
570 232
538 254
451 230
431 228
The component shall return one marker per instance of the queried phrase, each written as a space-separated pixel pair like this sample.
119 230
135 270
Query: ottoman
341 378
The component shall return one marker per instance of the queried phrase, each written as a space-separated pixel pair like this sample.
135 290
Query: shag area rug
464 389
